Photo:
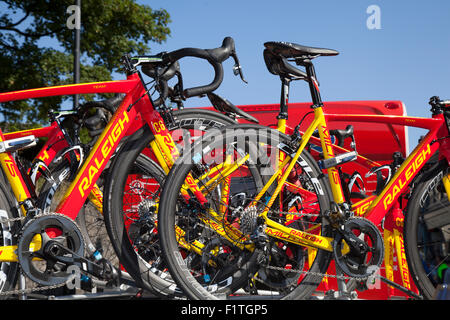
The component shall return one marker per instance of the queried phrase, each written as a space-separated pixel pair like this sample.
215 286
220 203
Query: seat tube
14 177
446 182
327 147
333 174
283 114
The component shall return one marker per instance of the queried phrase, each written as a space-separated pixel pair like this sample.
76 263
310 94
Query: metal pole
76 56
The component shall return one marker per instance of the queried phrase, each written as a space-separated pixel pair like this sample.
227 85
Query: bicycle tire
427 230
123 164
299 287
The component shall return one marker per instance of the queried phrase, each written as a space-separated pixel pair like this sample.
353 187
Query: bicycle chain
339 277
31 290
368 279
326 275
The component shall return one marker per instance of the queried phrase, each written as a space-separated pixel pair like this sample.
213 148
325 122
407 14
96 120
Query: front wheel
427 234
213 237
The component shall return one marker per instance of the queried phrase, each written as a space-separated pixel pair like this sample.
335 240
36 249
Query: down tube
102 151
402 178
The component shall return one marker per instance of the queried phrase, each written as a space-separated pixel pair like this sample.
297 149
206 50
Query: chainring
42 234
366 252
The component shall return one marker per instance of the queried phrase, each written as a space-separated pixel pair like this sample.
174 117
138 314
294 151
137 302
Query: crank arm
355 244
86 265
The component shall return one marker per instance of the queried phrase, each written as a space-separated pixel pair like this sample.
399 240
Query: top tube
118 86
425 123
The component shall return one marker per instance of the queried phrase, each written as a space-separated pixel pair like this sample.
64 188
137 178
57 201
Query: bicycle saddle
292 50
110 104
225 106
278 65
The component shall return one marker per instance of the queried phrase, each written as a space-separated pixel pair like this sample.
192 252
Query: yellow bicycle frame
319 123
273 228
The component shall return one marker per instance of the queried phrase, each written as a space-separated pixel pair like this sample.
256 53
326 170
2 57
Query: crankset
365 248
49 245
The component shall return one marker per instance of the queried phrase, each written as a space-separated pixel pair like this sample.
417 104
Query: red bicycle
48 244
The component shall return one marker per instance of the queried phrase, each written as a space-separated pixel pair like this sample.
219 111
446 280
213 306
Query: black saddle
292 50
278 65
225 106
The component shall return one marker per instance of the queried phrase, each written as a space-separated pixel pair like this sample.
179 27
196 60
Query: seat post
284 99
313 83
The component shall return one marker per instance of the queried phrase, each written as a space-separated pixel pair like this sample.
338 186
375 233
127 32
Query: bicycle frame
373 208
393 220
433 141
377 207
135 111
55 143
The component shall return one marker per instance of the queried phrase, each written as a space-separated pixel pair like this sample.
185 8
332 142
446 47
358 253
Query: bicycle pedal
339 159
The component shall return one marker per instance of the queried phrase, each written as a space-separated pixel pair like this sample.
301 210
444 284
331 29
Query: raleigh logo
327 140
408 174
107 146
293 235
10 164
361 207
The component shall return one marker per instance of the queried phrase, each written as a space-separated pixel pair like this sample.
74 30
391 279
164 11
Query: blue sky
408 59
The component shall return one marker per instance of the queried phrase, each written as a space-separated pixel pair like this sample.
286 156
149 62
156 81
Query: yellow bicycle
263 195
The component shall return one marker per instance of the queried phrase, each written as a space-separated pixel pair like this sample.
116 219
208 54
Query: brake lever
237 69
179 84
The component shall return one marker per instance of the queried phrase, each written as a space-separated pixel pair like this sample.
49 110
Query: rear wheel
231 169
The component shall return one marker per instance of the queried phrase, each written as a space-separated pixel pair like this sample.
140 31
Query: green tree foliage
36 47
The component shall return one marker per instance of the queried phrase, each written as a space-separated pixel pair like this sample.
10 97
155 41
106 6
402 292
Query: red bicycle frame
135 111
53 146
433 141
